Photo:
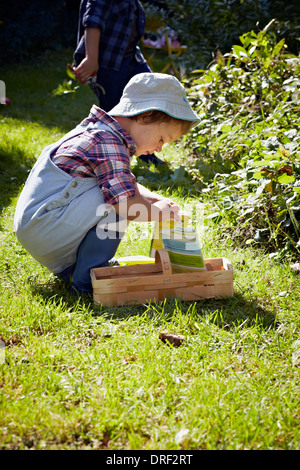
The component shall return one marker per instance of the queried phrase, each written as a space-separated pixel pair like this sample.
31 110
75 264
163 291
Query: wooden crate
141 283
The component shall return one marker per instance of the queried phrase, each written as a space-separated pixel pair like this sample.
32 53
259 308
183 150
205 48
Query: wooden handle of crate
162 257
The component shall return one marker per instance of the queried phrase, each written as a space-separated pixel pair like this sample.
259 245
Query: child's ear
143 118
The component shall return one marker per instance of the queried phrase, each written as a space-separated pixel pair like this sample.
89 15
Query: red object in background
5 101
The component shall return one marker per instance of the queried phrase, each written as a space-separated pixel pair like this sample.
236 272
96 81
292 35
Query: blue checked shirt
115 19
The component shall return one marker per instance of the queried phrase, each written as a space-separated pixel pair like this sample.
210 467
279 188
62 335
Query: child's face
150 138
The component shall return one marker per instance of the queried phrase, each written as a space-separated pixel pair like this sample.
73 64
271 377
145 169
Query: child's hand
167 209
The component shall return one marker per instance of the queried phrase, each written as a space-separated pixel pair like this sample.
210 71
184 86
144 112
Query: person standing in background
107 55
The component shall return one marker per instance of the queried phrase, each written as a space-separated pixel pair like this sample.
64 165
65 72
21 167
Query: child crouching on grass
70 212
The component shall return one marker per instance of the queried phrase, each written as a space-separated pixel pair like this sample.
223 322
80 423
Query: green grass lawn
78 376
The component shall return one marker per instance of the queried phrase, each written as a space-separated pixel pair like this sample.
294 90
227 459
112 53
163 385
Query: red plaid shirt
100 154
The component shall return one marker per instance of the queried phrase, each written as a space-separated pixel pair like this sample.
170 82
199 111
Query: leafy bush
210 25
246 150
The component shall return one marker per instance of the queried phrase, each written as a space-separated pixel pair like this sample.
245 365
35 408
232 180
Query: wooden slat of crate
149 283
131 270
137 284
139 297
206 277
110 287
224 290
196 293
110 300
215 277
217 261
192 291
120 282
113 300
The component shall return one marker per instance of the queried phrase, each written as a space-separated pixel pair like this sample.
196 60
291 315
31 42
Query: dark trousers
113 82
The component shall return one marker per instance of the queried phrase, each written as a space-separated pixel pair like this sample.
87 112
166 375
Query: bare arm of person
89 65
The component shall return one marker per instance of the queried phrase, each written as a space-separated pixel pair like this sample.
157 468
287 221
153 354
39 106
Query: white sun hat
155 91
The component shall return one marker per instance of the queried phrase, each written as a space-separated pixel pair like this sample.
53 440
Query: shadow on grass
29 87
224 313
236 310
14 168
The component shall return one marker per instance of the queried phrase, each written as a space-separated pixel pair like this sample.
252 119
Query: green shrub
207 26
246 151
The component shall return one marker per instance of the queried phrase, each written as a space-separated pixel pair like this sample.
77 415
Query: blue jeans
113 82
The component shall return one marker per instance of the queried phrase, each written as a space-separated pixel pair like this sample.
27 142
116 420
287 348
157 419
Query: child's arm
146 206
149 195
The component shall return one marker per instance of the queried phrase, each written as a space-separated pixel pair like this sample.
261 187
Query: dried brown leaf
174 340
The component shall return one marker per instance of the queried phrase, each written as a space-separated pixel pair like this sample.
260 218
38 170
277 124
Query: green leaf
268 25
285 179
278 48
260 163
261 174
70 73
65 88
216 216
178 174
266 184
240 51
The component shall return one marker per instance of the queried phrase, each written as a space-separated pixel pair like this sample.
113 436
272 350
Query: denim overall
57 215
